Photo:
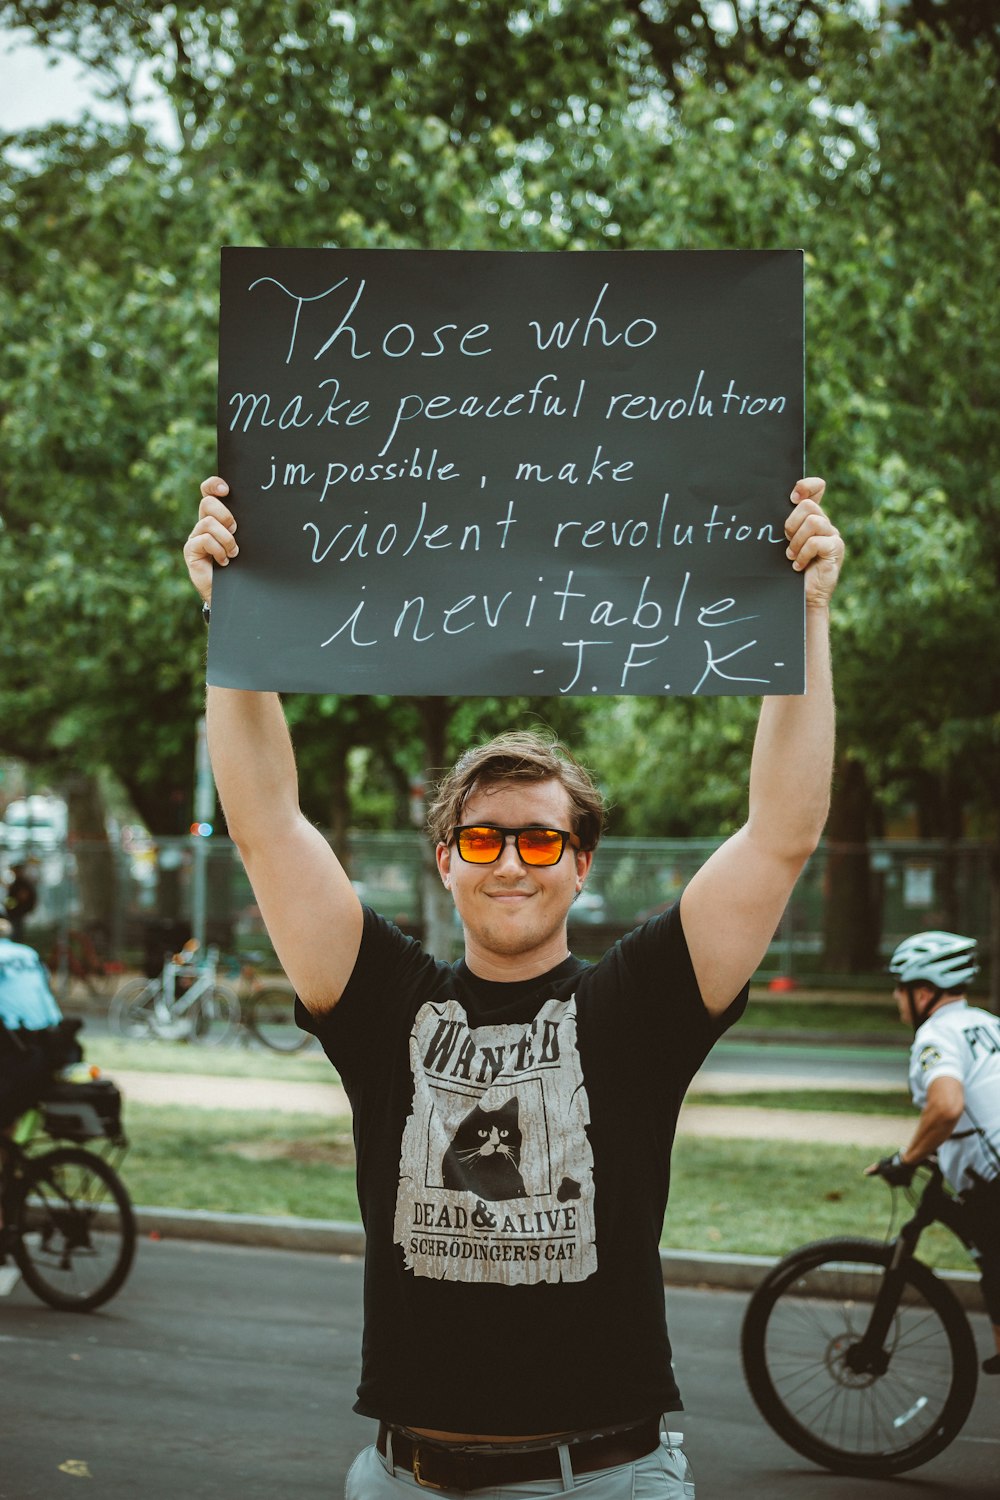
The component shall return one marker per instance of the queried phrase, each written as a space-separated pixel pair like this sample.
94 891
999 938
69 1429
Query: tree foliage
869 140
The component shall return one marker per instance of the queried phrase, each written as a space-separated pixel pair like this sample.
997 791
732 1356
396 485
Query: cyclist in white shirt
955 1083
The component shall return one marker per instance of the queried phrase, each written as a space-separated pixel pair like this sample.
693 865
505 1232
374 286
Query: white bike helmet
944 959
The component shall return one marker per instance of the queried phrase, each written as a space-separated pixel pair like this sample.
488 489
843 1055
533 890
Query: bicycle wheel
801 1327
133 1008
271 1019
76 961
75 1229
215 1015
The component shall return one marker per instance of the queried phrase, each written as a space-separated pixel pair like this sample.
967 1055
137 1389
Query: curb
707 1268
325 1236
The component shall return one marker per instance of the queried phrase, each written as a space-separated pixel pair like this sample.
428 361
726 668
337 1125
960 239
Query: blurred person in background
20 900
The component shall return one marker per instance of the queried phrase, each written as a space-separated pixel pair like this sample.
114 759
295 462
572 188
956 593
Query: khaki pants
664 1474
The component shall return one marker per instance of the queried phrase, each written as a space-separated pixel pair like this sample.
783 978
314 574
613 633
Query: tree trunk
993 941
939 816
851 916
95 861
437 909
340 810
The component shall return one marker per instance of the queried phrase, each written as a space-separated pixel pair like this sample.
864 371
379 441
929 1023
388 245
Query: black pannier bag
82 1111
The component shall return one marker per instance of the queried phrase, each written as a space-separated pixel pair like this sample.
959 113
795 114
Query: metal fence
132 901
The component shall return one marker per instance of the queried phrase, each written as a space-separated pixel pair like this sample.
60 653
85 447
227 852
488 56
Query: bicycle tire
799 1326
76 961
215 1016
65 990
132 1010
76 1232
271 1019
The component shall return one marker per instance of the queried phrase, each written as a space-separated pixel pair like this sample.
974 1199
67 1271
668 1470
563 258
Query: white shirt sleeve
934 1054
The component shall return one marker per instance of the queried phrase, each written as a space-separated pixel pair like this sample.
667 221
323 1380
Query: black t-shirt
513 1145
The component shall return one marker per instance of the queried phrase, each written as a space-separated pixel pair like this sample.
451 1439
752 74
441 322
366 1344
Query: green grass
235 1161
863 1017
727 1196
255 1061
111 1053
764 1198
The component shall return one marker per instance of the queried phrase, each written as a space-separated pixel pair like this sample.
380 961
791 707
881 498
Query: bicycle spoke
832 1398
76 1229
271 1018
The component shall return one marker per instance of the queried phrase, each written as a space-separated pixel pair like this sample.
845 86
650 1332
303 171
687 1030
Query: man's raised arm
731 908
308 904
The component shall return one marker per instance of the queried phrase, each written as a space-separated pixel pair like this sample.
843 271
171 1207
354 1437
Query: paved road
227 1374
751 1065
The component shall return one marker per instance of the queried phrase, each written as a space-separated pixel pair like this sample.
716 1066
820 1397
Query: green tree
871 140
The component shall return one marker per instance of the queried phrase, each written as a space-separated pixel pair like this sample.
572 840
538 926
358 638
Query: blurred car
589 907
35 822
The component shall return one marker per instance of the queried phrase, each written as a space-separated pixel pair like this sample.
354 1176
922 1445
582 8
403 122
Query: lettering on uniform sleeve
983 1040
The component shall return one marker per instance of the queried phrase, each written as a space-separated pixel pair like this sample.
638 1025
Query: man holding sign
514 1113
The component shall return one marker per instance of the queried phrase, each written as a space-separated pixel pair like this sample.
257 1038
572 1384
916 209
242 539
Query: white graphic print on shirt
496 1176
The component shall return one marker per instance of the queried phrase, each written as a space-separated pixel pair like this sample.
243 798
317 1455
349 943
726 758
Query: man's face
902 1004
514 915
922 993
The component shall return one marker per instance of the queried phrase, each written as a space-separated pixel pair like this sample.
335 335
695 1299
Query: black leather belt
438 1467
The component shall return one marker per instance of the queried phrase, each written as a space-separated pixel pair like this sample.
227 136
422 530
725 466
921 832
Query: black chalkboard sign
476 472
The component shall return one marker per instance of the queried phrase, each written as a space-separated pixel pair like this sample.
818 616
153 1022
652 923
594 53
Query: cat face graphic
485 1154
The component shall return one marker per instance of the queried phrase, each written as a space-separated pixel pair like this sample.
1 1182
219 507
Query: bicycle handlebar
193 960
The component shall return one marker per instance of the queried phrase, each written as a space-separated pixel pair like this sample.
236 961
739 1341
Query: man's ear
442 855
584 860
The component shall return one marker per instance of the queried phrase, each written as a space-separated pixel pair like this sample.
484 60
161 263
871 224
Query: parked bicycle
185 1001
67 1217
267 1010
188 1001
77 957
857 1355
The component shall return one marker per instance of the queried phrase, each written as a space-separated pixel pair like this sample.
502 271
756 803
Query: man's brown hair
520 755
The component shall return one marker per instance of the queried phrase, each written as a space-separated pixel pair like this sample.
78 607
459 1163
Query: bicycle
185 1001
67 1216
857 1355
267 1009
77 957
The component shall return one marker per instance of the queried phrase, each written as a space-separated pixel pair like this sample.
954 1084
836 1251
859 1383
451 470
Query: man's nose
508 858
